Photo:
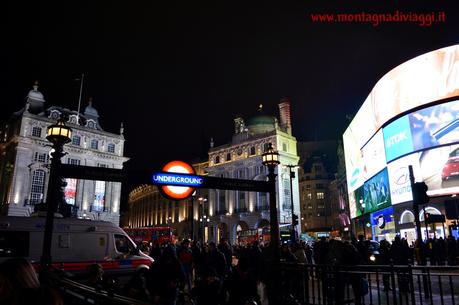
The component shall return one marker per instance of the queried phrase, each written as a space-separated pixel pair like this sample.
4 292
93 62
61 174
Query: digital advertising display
399 177
381 218
376 193
70 190
425 138
374 157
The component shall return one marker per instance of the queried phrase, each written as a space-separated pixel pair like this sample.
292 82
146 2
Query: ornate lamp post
58 134
270 159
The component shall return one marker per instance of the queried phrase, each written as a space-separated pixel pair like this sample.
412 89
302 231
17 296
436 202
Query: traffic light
294 219
420 196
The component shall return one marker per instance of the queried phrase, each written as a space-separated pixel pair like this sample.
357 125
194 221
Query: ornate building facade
188 218
25 160
234 212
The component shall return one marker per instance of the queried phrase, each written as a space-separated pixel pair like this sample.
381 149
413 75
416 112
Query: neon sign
177 180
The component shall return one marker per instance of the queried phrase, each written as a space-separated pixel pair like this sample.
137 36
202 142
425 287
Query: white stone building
234 212
25 154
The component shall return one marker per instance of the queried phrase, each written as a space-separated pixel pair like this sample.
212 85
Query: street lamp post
292 176
58 134
362 204
270 159
202 218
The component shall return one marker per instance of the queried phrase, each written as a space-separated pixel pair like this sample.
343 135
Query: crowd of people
221 274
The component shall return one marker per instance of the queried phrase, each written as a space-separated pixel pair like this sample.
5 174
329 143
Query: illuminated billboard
373 155
376 193
70 190
423 137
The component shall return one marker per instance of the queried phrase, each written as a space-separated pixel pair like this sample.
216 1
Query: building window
310 206
252 150
76 140
320 195
70 190
43 158
262 200
38 186
287 203
111 148
265 147
284 147
309 196
217 159
308 187
317 168
321 206
319 186
36 132
99 196
73 161
94 144
241 199
228 157
221 200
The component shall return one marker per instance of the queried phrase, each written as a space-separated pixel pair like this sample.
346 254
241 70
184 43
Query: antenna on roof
79 99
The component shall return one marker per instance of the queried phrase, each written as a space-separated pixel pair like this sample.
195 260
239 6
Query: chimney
285 120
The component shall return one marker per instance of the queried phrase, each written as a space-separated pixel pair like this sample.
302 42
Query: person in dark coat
242 284
165 277
451 249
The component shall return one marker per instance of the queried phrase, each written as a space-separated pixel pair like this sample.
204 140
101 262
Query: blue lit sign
397 138
382 217
177 179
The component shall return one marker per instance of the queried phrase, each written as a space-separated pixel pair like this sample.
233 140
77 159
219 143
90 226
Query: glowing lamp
59 133
271 157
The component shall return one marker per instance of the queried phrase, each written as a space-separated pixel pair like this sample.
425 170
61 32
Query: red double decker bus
159 235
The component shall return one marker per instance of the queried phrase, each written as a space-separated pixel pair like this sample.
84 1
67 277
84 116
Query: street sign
177 180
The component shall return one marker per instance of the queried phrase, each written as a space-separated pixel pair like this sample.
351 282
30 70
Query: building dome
35 95
261 124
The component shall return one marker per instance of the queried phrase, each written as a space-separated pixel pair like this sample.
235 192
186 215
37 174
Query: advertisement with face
399 177
440 170
376 192
374 157
436 125
382 218
70 190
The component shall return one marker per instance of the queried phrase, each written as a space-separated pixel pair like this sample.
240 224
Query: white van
76 244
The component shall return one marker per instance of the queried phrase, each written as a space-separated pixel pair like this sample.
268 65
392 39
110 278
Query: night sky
177 73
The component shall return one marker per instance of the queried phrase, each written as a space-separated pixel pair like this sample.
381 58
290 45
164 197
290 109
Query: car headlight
372 257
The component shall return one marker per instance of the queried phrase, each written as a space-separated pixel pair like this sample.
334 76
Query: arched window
38 186
407 217
217 159
252 150
430 210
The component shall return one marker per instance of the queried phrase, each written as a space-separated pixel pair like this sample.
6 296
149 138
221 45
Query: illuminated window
94 144
36 132
309 195
99 196
76 140
70 190
320 195
38 186
111 148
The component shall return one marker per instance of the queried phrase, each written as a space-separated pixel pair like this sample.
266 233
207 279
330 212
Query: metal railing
370 284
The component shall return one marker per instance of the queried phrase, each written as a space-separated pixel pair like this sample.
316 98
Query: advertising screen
434 126
399 177
70 190
397 138
354 164
381 218
374 157
356 202
440 170
376 192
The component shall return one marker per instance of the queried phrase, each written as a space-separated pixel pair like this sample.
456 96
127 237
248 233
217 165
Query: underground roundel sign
172 175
